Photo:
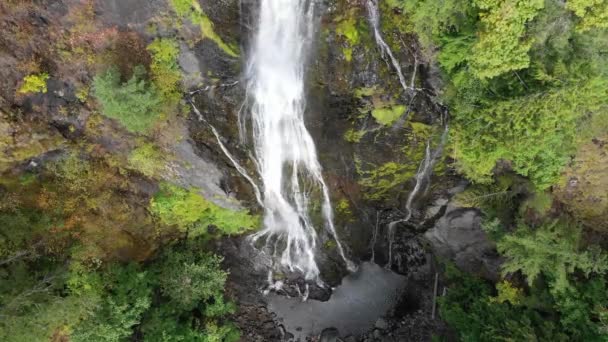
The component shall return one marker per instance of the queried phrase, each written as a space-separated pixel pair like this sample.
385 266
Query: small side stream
354 307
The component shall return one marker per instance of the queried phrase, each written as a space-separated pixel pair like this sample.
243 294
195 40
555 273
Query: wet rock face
134 14
369 165
458 236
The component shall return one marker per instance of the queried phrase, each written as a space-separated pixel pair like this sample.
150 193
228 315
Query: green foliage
432 20
34 84
191 10
353 136
507 293
347 28
192 213
521 80
165 70
135 103
19 227
187 279
580 307
540 202
501 46
33 301
469 307
553 250
127 296
536 132
388 115
149 160
515 315
592 13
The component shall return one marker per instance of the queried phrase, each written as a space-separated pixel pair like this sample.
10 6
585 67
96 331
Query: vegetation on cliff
526 86
100 242
97 240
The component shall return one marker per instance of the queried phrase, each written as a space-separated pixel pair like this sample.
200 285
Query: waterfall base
354 307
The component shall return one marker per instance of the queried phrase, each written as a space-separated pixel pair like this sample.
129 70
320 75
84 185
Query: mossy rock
583 185
388 115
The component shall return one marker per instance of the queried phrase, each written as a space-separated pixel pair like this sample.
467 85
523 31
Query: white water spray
284 150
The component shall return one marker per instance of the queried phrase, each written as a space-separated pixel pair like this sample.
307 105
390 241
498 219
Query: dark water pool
353 308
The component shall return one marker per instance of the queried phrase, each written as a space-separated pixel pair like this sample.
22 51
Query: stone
377 333
381 324
458 236
330 335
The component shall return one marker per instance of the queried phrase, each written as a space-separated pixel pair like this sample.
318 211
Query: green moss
347 29
165 70
366 91
540 202
192 213
353 136
420 129
393 24
34 84
388 115
149 160
82 94
191 10
381 182
343 207
582 186
348 53
330 244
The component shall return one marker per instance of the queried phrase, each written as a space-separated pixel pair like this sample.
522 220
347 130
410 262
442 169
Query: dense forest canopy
526 83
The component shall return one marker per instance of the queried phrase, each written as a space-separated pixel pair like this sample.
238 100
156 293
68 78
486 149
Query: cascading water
422 178
423 182
284 150
385 50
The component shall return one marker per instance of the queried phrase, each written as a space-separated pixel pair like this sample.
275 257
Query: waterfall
284 150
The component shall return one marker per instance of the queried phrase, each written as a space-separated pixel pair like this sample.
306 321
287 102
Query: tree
135 103
553 250
189 279
127 295
501 46
592 13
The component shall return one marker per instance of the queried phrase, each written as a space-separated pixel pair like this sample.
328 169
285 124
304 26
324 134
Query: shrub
135 103
192 213
149 160
165 70
34 84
